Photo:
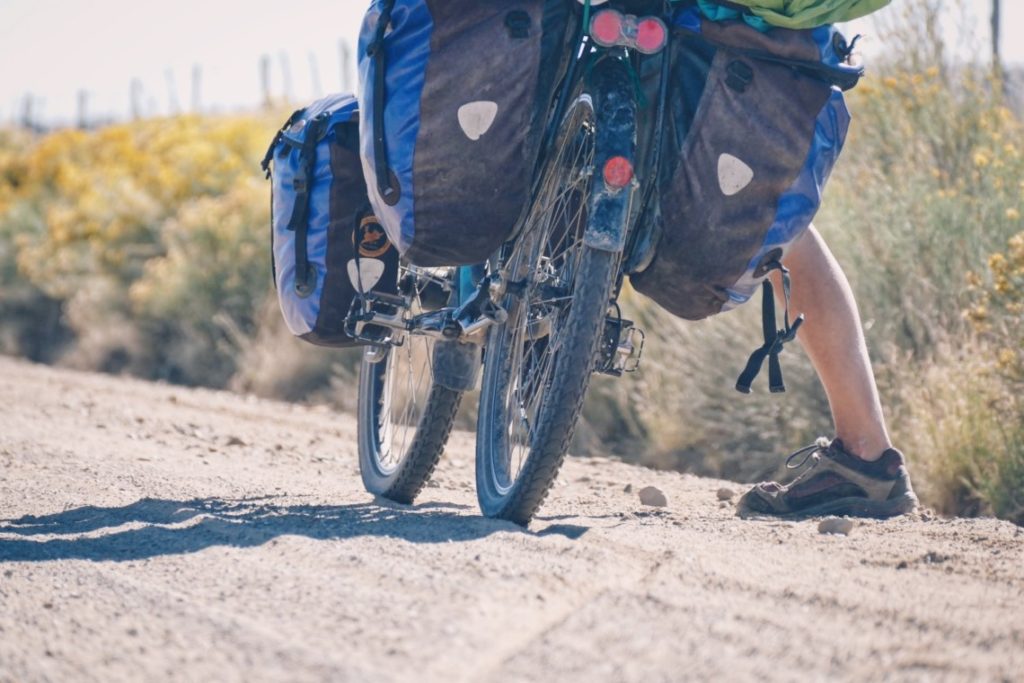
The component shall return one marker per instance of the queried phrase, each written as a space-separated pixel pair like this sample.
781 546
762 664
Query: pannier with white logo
758 123
455 95
757 120
327 245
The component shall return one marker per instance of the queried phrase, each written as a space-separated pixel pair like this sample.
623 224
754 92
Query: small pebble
726 494
653 497
836 525
628 489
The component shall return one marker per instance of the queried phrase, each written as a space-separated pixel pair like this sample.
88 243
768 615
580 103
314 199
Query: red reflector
606 27
618 172
651 35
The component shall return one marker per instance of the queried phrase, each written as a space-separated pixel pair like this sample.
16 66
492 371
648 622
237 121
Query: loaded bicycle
507 166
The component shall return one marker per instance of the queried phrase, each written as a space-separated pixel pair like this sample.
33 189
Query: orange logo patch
374 241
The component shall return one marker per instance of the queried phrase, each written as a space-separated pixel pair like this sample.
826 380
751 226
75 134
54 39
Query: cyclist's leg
833 338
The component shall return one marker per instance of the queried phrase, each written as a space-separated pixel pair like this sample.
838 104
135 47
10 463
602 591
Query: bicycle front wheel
539 362
405 418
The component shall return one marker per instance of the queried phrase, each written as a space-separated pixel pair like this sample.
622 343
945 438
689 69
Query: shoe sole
847 507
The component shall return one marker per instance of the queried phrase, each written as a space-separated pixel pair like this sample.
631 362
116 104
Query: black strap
775 339
305 275
265 165
387 184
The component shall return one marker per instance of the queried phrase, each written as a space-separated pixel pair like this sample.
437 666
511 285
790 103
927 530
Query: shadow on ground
170 527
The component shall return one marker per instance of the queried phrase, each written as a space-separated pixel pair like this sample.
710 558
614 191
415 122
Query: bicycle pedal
373 318
377 336
621 348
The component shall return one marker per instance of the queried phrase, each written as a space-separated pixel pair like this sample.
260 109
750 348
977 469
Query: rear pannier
327 244
758 121
455 97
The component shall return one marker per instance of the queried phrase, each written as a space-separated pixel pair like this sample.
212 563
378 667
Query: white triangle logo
476 118
733 174
365 274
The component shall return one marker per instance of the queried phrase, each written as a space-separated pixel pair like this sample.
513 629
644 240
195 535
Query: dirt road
150 532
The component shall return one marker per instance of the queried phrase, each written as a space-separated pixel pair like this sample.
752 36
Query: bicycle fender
616 112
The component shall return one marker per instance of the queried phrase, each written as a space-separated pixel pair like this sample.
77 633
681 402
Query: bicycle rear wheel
539 362
405 418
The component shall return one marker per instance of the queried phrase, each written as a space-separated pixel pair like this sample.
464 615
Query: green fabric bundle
796 14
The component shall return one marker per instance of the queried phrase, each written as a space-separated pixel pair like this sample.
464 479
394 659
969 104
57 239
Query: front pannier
455 95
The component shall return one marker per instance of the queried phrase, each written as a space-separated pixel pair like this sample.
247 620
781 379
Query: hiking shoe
835 482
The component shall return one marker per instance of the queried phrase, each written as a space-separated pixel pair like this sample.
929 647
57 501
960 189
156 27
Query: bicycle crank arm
441 325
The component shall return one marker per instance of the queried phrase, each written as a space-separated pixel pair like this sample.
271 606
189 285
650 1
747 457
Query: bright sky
55 48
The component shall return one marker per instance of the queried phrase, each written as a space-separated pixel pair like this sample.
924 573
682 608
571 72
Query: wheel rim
546 260
399 386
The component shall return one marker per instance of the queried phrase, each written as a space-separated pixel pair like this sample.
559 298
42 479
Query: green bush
145 241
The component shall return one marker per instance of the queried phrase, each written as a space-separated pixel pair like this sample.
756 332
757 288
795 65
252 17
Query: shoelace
812 452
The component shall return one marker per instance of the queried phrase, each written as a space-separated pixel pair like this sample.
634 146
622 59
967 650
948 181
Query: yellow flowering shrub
998 311
931 188
12 171
214 262
105 195
929 185
158 227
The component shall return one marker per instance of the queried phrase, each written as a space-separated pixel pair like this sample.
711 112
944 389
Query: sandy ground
150 532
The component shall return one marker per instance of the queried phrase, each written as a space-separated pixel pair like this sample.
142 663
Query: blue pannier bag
455 96
328 246
757 122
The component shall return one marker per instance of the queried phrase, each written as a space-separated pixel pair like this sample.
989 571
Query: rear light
607 27
618 172
651 36
648 35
